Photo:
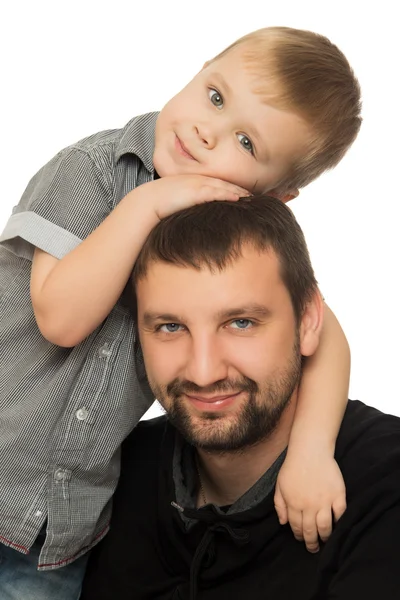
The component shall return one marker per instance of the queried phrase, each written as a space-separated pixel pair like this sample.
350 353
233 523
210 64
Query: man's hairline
211 267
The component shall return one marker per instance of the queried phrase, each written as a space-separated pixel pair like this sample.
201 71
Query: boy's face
219 127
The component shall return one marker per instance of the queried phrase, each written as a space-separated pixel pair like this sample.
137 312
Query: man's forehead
250 280
236 260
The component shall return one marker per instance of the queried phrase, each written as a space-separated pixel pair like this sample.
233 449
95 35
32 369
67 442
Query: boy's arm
310 486
72 296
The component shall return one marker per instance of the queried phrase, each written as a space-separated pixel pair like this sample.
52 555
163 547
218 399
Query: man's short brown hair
213 234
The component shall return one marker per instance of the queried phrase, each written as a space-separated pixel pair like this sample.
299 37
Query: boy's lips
181 148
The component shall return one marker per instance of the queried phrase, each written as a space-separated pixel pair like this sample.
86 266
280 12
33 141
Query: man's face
222 349
217 126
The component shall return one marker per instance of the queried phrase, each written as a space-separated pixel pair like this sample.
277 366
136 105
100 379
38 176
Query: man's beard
232 432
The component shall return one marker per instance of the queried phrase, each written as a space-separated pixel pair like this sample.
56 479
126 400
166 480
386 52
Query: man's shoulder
150 427
364 423
368 446
144 442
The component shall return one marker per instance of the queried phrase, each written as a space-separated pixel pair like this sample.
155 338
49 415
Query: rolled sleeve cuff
26 231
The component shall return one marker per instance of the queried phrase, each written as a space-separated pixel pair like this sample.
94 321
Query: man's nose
207 135
205 362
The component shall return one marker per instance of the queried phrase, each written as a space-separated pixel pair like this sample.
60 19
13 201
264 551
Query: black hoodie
160 548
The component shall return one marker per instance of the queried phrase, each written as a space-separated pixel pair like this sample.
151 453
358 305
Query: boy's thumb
280 506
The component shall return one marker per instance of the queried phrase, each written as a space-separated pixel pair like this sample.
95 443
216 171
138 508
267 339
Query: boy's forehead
235 62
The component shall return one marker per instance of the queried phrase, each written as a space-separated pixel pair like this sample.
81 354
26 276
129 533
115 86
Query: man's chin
211 432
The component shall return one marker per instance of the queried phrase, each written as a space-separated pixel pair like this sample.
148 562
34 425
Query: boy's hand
168 195
308 491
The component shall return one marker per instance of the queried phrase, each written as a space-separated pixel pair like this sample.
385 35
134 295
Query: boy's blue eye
246 142
215 98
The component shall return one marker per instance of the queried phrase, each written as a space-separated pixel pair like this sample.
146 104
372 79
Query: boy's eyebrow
222 82
226 89
266 155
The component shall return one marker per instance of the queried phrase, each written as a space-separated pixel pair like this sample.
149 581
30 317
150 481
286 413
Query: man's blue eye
242 323
170 327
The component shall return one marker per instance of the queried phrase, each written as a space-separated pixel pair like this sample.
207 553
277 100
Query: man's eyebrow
254 309
150 318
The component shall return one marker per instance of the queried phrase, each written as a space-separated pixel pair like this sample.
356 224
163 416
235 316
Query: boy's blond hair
311 77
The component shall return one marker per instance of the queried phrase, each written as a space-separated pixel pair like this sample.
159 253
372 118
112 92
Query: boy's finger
324 523
310 532
210 194
338 507
240 190
280 507
296 523
226 185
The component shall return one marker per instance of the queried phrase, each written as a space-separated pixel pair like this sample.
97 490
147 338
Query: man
227 307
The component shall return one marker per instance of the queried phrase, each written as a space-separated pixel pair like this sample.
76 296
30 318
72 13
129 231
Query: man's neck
225 477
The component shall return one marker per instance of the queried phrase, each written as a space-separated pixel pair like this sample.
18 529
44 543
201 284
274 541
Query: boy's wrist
138 201
310 444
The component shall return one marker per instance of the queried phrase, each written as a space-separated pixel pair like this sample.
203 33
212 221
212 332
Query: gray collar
138 138
186 481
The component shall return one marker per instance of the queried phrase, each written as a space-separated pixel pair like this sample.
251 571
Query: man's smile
213 403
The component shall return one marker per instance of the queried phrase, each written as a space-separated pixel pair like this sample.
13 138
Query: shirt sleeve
62 204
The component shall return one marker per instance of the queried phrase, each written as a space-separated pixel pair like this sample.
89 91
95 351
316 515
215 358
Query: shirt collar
138 138
185 478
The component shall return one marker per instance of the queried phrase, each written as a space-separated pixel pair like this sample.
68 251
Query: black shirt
162 551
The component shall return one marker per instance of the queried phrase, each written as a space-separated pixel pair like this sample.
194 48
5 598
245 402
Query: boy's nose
206 136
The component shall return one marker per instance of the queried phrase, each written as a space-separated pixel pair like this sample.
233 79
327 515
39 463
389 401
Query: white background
73 68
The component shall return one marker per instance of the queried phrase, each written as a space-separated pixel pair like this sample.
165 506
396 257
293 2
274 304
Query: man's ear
311 325
286 197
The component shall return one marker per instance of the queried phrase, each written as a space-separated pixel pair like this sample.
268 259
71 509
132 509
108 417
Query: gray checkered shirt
65 411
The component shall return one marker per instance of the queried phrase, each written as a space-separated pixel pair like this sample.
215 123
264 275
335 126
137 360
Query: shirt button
38 513
104 351
59 475
82 414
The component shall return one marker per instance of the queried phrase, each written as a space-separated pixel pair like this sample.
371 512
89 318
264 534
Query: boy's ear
286 197
311 325
290 196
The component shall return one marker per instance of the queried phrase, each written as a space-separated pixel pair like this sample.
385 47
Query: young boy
270 113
